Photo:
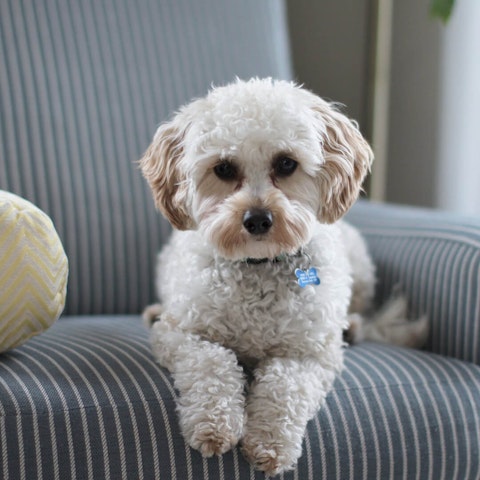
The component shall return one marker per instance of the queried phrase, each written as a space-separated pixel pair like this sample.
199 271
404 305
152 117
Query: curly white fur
229 294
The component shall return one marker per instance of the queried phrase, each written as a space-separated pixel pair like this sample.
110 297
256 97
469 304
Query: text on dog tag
307 277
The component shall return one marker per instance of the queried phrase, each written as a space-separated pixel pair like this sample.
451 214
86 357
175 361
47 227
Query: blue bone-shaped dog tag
307 277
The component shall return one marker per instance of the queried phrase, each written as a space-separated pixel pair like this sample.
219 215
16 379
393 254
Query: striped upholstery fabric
86 400
83 86
435 259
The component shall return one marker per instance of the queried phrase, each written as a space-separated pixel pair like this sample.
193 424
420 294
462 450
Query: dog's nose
257 221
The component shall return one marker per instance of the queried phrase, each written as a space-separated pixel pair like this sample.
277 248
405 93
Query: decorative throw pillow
33 271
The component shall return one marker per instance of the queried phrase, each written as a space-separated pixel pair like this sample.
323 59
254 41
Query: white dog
256 176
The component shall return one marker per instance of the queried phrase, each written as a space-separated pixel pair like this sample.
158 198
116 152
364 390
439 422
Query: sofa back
83 86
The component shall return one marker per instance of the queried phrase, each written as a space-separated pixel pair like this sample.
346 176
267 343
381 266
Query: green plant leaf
442 9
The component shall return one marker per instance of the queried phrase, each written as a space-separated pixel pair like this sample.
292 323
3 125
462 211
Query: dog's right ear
160 166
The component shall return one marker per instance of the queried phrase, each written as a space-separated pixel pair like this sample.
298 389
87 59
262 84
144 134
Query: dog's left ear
348 158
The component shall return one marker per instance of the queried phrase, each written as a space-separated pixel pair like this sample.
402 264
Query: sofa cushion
87 400
33 271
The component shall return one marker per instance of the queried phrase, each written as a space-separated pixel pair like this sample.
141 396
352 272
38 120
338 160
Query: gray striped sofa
83 85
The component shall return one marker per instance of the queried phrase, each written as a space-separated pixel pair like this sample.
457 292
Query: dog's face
254 165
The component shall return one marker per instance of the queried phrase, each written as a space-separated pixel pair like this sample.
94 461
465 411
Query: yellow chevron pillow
33 271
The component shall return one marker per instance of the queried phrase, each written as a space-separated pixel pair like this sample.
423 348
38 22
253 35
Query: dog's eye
284 166
226 170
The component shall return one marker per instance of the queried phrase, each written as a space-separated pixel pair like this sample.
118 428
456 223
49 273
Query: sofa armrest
434 257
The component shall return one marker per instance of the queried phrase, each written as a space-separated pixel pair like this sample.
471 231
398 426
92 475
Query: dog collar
304 276
280 258
258 261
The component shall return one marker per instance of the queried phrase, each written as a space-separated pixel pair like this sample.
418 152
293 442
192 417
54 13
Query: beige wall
432 124
331 48
414 104
329 44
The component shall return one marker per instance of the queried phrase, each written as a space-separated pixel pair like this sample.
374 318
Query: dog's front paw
213 430
211 438
269 455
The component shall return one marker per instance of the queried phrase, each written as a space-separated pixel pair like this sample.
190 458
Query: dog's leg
151 313
391 325
285 395
211 386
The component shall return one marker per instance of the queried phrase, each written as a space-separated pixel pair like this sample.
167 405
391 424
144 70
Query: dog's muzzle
257 221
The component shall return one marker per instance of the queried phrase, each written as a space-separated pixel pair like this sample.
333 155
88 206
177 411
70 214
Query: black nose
257 221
